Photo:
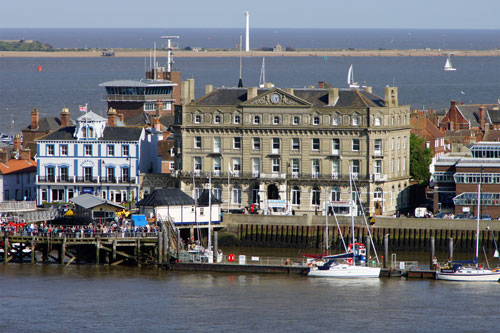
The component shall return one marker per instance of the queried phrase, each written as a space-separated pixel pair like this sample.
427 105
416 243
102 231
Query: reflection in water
85 298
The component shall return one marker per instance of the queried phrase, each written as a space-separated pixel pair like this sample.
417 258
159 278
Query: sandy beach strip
216 54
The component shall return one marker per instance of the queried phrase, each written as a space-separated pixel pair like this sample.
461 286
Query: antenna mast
170 54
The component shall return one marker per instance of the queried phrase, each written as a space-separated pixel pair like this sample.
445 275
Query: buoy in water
39 68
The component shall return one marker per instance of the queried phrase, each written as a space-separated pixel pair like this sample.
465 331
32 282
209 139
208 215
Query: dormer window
217 119
237 119
355 121
296 120
276 120
256 120
197 119
377 122
316 121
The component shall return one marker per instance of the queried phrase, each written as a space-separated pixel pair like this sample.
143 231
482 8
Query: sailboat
455 271
350 79
352 263
447 65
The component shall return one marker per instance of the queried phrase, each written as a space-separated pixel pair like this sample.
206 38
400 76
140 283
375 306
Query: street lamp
129 159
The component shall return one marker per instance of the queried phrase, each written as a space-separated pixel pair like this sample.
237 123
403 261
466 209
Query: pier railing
79 235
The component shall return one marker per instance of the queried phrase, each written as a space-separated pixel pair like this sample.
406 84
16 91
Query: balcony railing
273 175
84 179
379 177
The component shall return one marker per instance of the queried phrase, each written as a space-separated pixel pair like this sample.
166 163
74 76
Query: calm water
297 38
67 82
47 298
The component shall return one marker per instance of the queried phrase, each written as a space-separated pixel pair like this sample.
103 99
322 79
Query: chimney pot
35 119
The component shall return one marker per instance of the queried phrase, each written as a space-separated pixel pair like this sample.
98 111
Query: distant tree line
24 46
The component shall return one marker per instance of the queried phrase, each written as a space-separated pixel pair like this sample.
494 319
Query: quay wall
308 232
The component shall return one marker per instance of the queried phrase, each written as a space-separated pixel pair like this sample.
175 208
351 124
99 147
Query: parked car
463 217
440 216
485 217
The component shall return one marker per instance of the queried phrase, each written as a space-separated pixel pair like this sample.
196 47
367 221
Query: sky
427 14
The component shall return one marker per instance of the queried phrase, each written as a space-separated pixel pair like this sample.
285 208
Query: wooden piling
97 248
432 251
5 249
216 246
160 248
114 250
33 250
386 249
450 248
63 250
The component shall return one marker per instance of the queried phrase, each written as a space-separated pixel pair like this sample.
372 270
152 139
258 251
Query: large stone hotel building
289 150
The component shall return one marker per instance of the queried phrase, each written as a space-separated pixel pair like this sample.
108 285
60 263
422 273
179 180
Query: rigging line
366 223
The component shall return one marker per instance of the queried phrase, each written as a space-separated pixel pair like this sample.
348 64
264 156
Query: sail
447 65
350 77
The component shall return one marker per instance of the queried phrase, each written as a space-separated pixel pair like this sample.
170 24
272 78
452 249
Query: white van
421 212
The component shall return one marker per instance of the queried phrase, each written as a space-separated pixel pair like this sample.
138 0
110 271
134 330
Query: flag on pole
83 108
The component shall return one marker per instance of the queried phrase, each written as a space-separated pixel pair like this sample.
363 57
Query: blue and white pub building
92 157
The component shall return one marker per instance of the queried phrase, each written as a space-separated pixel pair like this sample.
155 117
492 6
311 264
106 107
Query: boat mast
352 218
210 211
477 222
326 221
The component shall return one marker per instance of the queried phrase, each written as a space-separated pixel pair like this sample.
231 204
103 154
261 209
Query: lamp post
129 158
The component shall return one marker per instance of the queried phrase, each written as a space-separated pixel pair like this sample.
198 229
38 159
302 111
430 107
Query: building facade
94 158
457 179
290 150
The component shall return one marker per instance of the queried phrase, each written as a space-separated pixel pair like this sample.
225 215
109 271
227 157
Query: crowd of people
124 229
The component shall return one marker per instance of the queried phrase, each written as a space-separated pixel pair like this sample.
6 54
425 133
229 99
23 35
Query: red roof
17 166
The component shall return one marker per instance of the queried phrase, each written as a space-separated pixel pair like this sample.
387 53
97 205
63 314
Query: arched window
315 196
276 120
217 119
316 121
295 196
237 194
237 119
335 194
378 195
256 120
355 120
378 121
296 120
197 119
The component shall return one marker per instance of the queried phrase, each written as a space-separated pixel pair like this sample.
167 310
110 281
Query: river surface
47 298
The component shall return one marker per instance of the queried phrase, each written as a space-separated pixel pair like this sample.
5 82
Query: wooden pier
67 248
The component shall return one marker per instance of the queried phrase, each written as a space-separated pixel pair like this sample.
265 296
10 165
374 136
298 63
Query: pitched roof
110 134
89 201
17 166
316 96
203 200
166 197
46 125
423 126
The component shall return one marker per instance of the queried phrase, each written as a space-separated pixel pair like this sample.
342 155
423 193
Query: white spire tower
247 32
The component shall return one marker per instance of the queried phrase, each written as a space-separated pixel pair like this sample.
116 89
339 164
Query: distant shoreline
124 53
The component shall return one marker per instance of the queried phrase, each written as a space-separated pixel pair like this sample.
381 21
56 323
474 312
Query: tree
420 159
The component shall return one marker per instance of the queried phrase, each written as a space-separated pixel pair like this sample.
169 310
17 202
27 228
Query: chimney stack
191 90
369 89
289 90
25 154
112 117
482 116
156 123
208 89
159 107
35 119
65 117
268 85
333 96
184 92
321 84
4 156
251 92
17 142
391 96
